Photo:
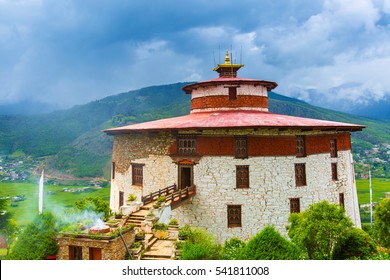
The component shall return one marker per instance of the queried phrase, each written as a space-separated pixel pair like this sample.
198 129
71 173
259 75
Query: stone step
136 223
152 242
156 258
134 217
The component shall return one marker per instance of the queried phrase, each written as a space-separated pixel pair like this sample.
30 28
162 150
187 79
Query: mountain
27 107
71 140
352 98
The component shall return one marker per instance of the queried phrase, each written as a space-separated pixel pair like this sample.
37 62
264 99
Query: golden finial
227 58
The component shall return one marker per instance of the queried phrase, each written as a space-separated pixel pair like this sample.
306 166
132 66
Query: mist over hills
72 143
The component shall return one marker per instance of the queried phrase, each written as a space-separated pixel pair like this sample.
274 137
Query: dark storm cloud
69 52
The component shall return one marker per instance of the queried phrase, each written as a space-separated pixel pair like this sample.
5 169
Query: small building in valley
250 168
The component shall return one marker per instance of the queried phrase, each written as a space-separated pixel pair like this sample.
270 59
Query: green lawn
25 211
379 189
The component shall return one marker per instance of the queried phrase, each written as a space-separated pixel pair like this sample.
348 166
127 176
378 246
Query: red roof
235 119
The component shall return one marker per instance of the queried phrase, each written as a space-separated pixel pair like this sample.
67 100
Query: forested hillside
71 140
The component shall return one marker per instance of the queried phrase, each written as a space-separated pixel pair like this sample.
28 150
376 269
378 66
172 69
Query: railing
153 196
181 195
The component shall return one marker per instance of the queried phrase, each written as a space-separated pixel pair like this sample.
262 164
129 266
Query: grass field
25 211
54 198
379 189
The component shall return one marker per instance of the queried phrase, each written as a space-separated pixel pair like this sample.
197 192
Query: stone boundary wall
112 249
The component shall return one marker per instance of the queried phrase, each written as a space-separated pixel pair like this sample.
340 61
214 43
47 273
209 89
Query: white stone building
250 168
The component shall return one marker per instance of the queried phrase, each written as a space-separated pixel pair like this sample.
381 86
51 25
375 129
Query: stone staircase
160 250
155 249
137 217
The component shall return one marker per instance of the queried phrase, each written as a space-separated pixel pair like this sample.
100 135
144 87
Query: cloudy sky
68 52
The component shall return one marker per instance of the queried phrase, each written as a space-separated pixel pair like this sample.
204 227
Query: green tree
382 222
10 232
38 240
356 244
95 204
268 244
318 229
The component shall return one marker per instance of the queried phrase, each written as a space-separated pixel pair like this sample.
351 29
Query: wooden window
186 146
242 176
234 215
341 199
137 174
121 199
75 253
232 93
295 205
300 147
300 174
241 147
95 253
113 170
334 171
333 148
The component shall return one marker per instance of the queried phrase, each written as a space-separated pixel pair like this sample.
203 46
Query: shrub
382 222
136 245
184 232
38 240
161 199
356 244
132 197
270 245
173 222
95 204
200 245
232 249
160 226
318 229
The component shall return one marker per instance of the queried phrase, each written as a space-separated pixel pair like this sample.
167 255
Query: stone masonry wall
149 149
266 202
272 180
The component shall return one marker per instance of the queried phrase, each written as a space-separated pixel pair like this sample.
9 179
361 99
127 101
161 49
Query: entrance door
185 176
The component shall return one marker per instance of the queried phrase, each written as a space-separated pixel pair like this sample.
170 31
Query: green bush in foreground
356 244
232 249
270 245
38 240
318 229
382 222
199 245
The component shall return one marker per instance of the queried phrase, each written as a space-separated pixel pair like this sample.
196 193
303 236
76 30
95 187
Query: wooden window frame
300 146
300 174
241 147
242 176
234 216
137 174
334 171
342 200
121 198
295 205
333 148
232 93
75 252
113 170
186 145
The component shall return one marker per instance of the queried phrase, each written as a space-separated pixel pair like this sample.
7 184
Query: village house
244 166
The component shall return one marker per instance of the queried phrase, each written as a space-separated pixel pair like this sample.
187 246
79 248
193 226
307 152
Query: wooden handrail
155 195
182 195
